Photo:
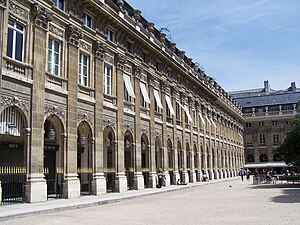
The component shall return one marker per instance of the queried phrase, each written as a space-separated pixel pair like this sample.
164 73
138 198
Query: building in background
268 114
94 99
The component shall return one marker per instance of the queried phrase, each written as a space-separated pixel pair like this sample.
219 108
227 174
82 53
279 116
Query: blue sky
240 43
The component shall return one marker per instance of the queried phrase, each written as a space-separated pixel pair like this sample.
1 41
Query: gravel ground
230 202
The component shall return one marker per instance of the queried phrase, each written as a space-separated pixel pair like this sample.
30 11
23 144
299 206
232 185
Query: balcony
17 69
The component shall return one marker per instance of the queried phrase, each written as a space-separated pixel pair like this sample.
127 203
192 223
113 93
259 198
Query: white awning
144 92
201 117
266 165
169 103
128 85
157 98
213 123
188 113
207 120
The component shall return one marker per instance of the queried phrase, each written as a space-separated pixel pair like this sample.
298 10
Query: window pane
9 43
19 47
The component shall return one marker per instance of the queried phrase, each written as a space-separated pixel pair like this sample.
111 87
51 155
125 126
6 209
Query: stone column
121 180
199 171
184 146
176 174
192 150
98 182
166 181
138 175
71 185
2 9
152 173
36 188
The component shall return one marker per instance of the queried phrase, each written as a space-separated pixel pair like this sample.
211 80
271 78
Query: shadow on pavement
290 192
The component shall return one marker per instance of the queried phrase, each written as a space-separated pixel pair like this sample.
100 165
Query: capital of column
73 35
41 16
121 61
100 49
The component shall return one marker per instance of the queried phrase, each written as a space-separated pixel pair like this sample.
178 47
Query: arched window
263 158
250 158
277 157
11 122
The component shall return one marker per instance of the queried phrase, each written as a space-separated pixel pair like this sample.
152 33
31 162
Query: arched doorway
53 155
188 162
196 162
109 157
180 160
171 162
12 154
145 156
129 159
158 154
84 157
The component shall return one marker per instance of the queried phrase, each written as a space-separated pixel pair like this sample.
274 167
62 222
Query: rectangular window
128 47
60 4
144 95
178 112
83 69
87 19
275 138
262 139
274 123
142 100
107 77
15 40
248 124
158 104
261 124
53 57
110 35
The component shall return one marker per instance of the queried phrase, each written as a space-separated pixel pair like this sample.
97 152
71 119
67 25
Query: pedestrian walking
241 173
160 179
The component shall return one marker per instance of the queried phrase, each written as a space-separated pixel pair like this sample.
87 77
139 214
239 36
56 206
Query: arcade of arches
100 109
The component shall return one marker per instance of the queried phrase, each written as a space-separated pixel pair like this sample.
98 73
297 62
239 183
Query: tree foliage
289 150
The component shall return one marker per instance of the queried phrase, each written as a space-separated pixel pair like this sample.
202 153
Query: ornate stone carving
17 10
150 27
86 46
3 3
14 101
137 71
120 3
56 31
127 127
100 49
41 16
136 15
145 131
121 60
53 110
85 117
109 123
73 35
76 8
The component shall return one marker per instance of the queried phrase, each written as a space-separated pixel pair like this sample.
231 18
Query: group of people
243 173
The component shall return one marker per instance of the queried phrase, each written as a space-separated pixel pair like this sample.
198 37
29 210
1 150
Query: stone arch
109 157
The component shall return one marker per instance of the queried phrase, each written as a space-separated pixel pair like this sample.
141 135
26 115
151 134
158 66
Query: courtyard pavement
228 201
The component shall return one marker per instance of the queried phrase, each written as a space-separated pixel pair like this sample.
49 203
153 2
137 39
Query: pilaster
98 182
138 175
2 10
167 180
121 180
152 174
71 184
36 188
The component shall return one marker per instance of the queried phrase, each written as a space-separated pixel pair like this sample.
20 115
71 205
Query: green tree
289 150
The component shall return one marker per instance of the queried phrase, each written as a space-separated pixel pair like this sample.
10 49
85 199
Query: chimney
267 87
293 86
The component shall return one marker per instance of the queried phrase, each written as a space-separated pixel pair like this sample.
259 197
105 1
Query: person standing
160 179
241 173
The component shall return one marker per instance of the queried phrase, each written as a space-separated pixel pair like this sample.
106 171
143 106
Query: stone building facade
268 114
94 99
